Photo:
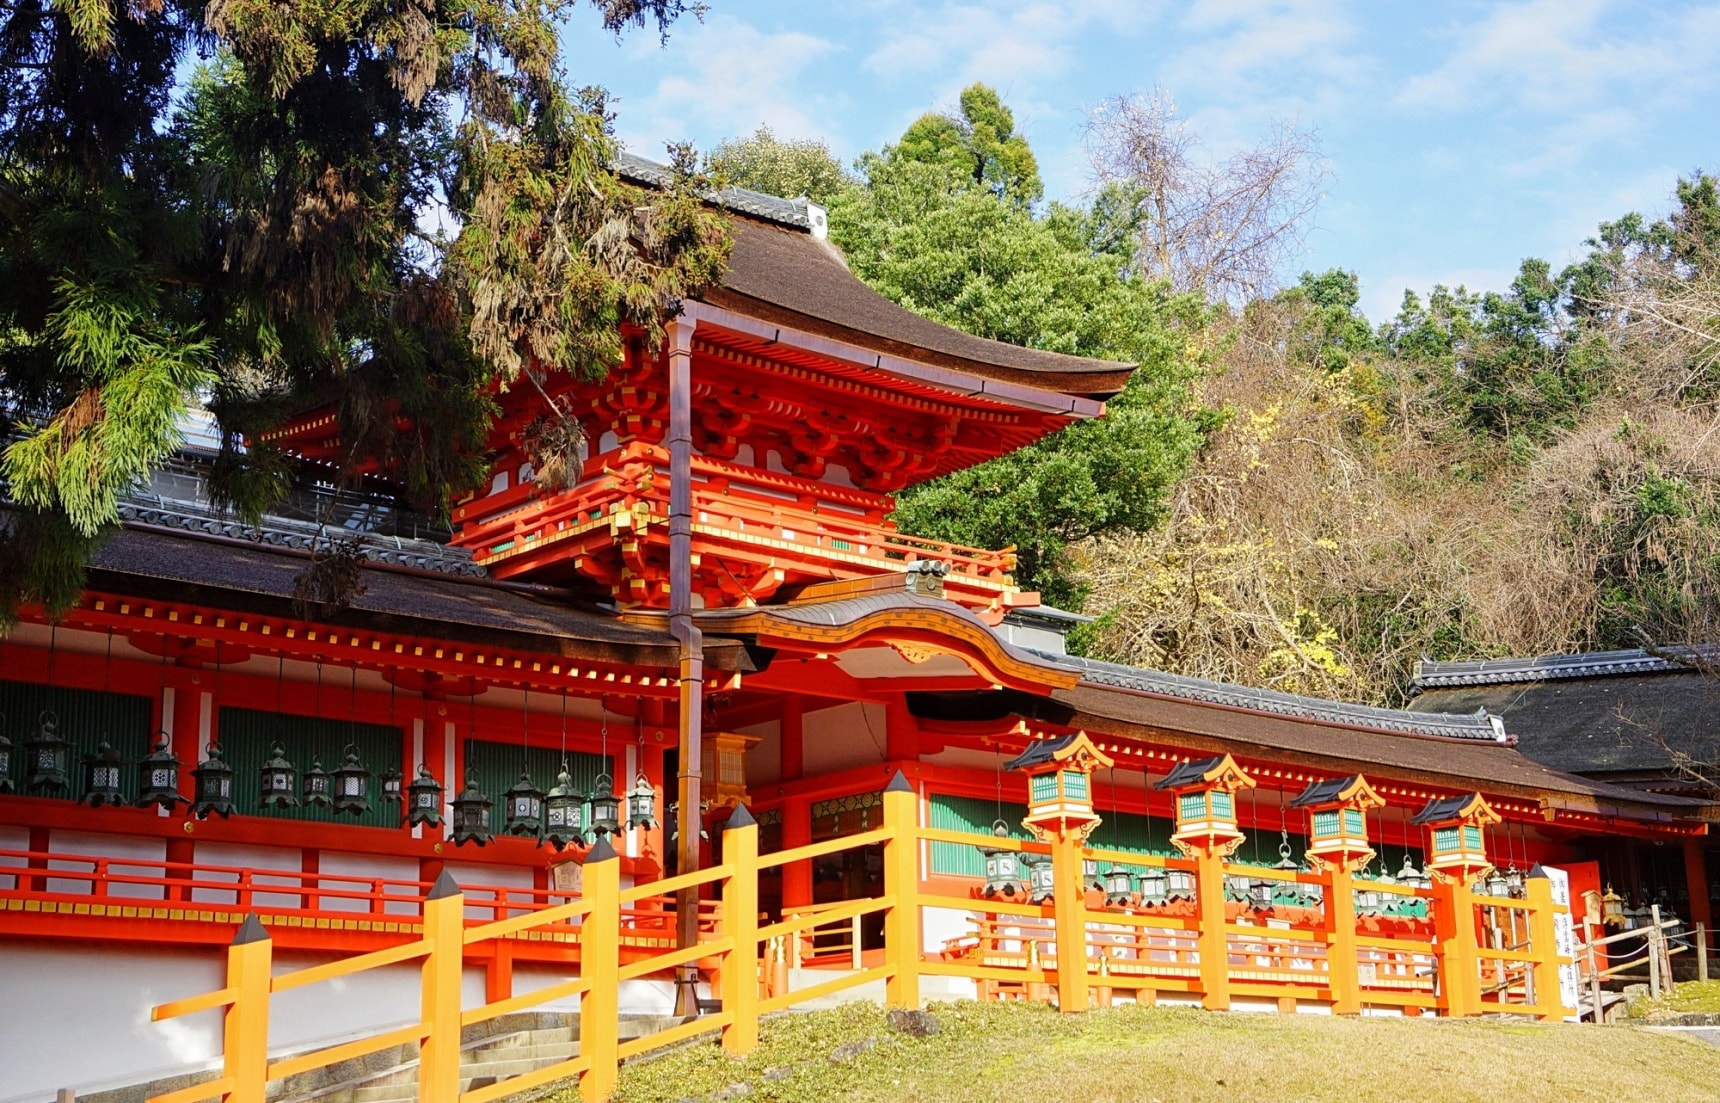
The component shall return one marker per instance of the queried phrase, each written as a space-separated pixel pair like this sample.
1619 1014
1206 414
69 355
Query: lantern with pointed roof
1612 908
1338 821
277 780
523 808
424 804
1205 793
213 792
564 813
1059 785
101 777
45 757
1457 845
5 759
1002 866
158 776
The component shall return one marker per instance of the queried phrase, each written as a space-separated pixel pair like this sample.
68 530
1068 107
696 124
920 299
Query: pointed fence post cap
1538 873
444 887
740 817
601 851
251 930
899 784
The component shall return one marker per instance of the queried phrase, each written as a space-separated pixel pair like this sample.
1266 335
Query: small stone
915 1024
734 1091
851 1050
778 1074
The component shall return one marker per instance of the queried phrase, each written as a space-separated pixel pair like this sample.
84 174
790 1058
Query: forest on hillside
1290 494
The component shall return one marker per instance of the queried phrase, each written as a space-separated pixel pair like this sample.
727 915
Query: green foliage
928 232
259 247
978 144
777 166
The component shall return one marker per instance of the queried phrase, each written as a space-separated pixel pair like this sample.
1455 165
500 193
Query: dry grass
1000 1053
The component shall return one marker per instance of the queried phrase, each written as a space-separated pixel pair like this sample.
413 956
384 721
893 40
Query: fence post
600 965
245 1029
1544 944
1343 968
444 935
1069 913
1454 933
902 883
1702 952
740 923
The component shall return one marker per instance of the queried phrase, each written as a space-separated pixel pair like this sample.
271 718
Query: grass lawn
1688 995
1015 1053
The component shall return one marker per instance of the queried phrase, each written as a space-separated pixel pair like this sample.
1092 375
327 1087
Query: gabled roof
1464 806
1547 668
1220 769
1042 752
1338 790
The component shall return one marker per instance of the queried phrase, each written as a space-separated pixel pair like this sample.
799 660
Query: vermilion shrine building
723 575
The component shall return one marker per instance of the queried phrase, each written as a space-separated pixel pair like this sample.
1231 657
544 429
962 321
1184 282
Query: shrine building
718 612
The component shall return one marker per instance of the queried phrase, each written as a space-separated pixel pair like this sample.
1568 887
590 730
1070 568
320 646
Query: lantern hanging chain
1254 814
564 728
280 681
107 664
997 762
352 707
525 728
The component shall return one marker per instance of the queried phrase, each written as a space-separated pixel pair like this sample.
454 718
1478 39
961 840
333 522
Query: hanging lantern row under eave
604 804
425 799
351 785
45 756
472 814
1002 867
158 776
523 807
1153 887
101 777
564 813
1119 887
277 781
642 804
1041 880
5 759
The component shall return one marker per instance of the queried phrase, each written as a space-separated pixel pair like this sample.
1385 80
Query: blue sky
1460 137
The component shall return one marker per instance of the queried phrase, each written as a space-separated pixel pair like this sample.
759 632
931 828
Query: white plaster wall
108 846
12 838
254 858
844 737
939 925
366 868
85 1024
471 873
764 759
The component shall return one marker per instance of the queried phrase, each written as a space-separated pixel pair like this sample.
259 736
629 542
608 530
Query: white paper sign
1564 939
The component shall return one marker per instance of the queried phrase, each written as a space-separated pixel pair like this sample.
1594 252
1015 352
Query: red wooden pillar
902 734
1696 880
796 811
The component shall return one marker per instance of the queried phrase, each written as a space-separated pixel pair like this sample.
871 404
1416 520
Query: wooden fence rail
1062 948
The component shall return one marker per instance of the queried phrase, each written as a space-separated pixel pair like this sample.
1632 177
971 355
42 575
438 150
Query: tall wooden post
740 923
600 962
1214 941
1343 970
902 885
1454 929
245 1028
1696 880
1069 907
444 934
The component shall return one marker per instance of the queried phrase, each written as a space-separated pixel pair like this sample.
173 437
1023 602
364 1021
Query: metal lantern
45 756
472 814
212 789
351 785
1516 885
393 785
1497 885
1367 901
101 777
5 760
1262 893
278 780
1413 877
604 803
1041 882
1119 885
1153 887
1179 884
1236 887
1002 867
642 804
523 807
158 776
317 784
1612 908
425 804
563 810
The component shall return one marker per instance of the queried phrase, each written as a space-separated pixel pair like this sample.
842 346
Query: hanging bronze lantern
425 806
393 785
5 759
1002 867
1119 887
1153 883
1516 885
1041 881
472 814
351 785
1179 884
1612 908
212 789
642 804
317 784
563 810
158 776
45 756
1413 877
101 777
1496 884
604 804
524 807
1262 894
278 780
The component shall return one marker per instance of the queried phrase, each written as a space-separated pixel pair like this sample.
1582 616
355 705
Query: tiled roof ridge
1586 664
1477 727
195 519
793 213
